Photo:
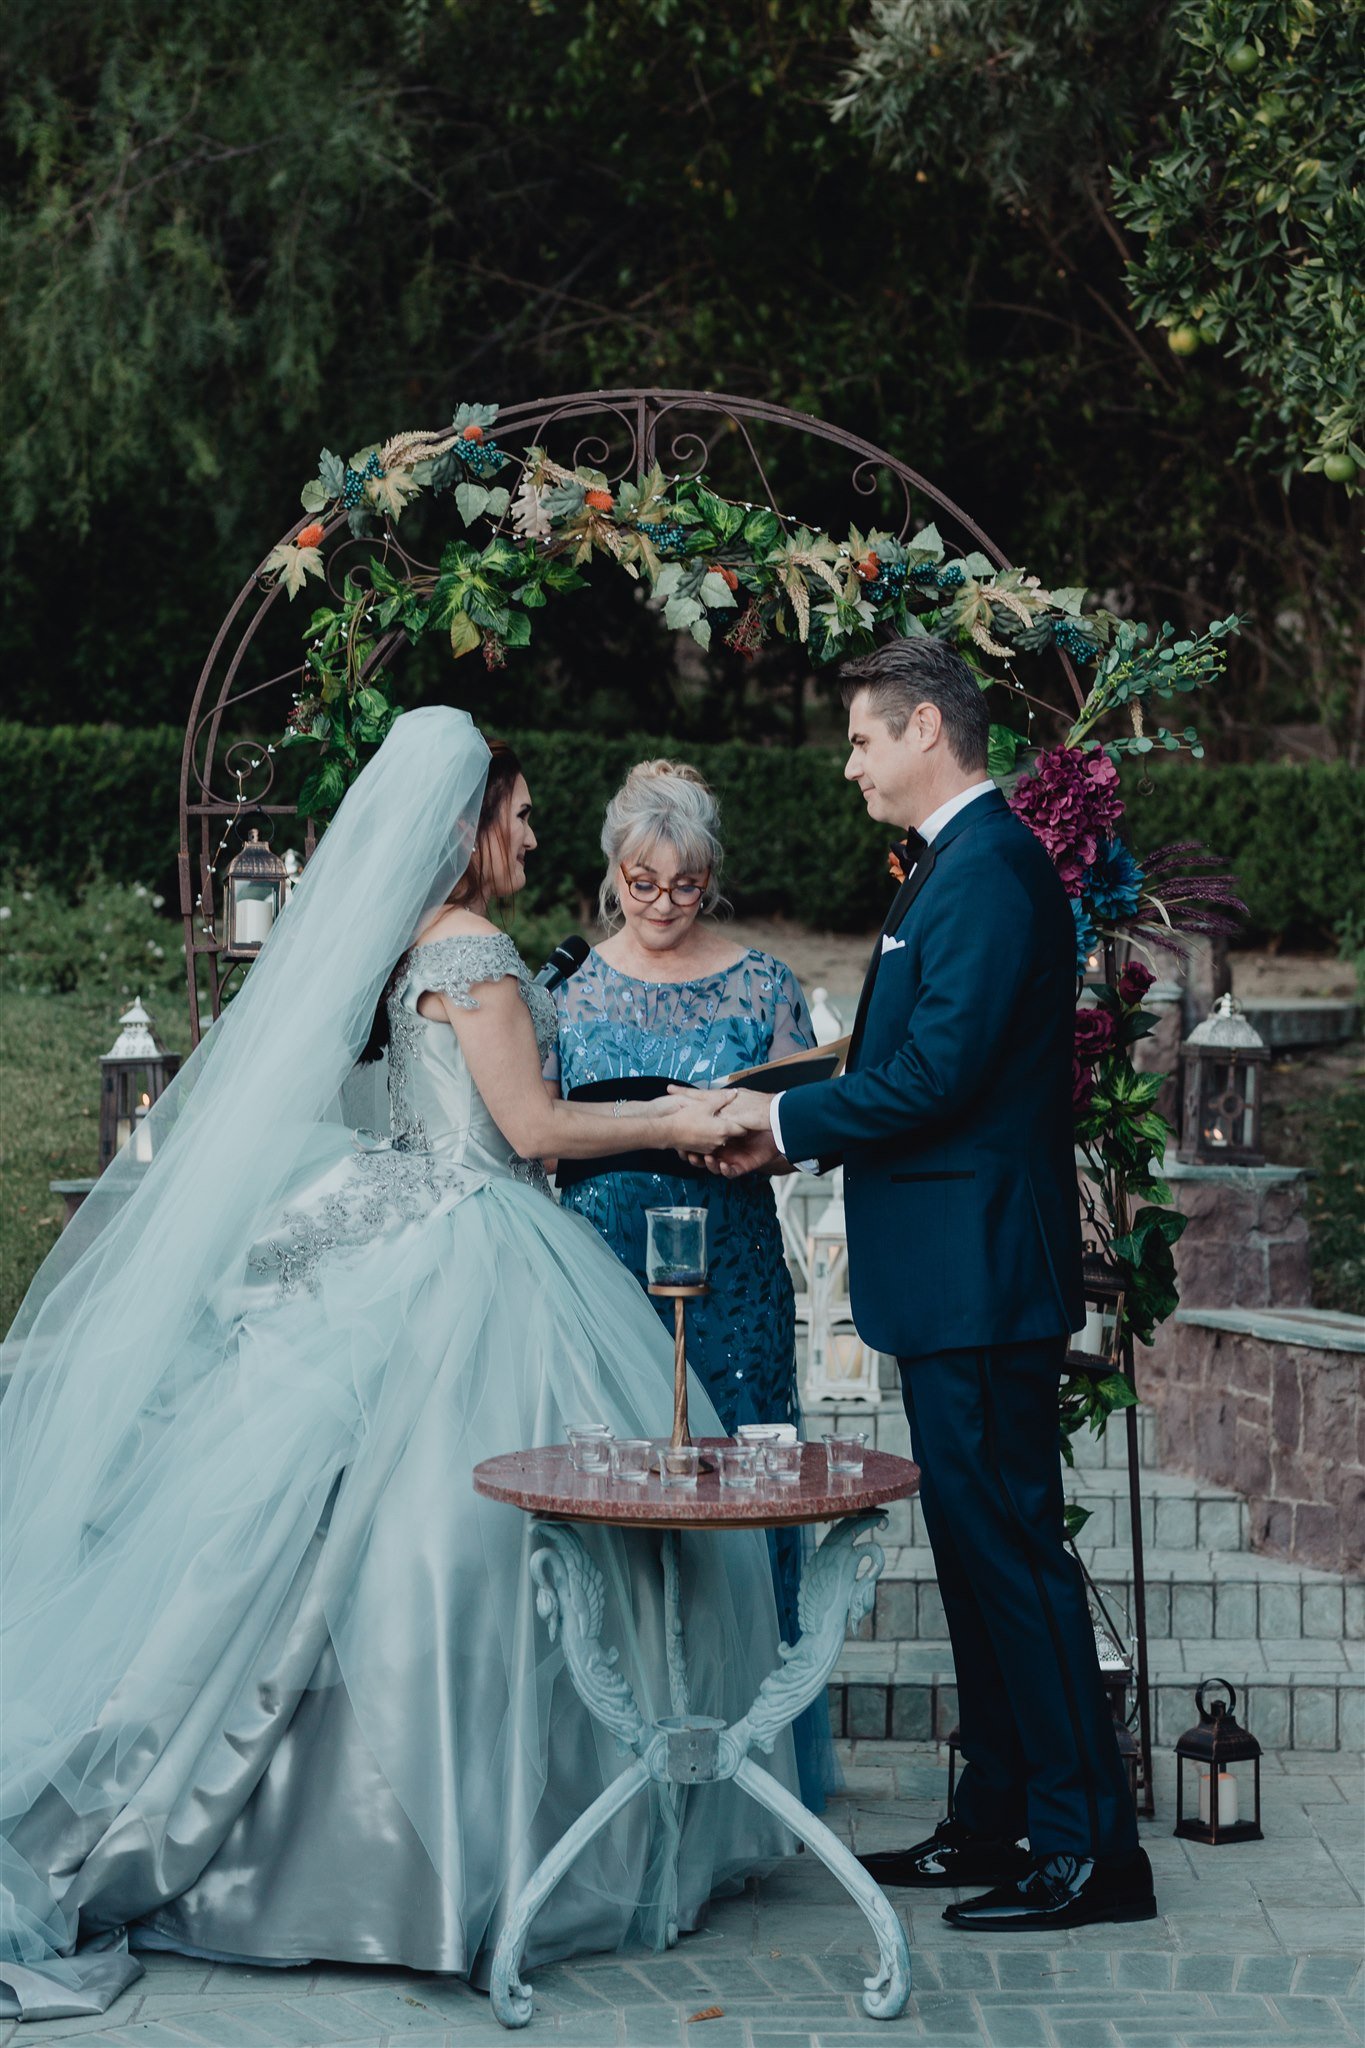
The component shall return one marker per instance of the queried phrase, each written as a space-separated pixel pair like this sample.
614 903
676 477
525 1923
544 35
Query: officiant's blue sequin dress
741 1337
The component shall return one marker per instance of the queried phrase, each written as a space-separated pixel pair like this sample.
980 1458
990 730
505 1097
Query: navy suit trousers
1040 1755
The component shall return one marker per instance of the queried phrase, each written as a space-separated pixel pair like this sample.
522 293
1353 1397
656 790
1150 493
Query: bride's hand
699 1120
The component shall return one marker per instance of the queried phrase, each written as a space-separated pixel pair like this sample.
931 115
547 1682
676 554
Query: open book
820 1063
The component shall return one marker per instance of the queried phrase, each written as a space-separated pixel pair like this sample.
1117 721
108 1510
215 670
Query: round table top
543 1482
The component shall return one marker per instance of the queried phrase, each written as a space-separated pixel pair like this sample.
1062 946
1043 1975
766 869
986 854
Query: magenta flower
1072 803
1134 983
1096 1033
1082 1088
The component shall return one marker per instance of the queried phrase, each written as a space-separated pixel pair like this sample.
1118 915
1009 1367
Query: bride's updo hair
503 770
661 803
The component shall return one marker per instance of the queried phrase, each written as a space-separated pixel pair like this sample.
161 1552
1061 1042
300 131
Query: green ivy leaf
464 635
471 500
1003 750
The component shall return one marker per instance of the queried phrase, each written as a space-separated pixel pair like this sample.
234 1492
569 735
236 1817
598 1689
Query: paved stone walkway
1258 1944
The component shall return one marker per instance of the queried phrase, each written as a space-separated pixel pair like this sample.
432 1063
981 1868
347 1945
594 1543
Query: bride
275 1689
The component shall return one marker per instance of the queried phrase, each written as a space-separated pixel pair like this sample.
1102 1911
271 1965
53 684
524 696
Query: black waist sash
630 1088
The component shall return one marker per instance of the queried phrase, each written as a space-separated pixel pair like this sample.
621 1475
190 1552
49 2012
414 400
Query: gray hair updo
661 803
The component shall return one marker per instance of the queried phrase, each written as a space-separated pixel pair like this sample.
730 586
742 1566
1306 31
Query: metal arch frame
636 427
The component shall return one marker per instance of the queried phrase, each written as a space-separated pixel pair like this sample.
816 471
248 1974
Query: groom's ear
925 728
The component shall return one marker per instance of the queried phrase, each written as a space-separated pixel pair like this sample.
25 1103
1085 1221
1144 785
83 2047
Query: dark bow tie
904 854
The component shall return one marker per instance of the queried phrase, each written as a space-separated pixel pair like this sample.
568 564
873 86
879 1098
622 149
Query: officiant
669 997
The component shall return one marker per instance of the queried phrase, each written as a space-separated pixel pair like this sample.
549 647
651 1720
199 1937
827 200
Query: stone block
1317 1535
1280 1611
1286 1407
1192 1611
1215 1434
932 1621
1272 1526
1351 1718
912 1714
866 1714
1214 1273
1289 1274
945 1711
1251 1455
1266 1974
1177 1523
1324 1612
1266 1713
1249 1369
1204 1973
1174 1711
1354 1595
896 1609
1315 1717
1234 1611
1220 1524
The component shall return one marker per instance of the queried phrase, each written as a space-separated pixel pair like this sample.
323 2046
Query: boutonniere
896 865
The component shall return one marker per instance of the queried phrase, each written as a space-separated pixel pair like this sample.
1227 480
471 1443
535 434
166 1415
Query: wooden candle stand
680 1296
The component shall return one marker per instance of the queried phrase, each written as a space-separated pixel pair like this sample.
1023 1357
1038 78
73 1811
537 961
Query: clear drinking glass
766 1433
738 1464
589 1446
679 1467
782 1462
632 1458
844 1450
675 1247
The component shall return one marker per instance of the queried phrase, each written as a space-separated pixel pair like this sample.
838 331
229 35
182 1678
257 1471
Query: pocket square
890 945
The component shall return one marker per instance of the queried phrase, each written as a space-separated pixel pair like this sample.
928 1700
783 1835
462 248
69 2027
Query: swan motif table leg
837 1589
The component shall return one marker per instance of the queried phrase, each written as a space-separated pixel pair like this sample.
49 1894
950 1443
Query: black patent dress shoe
1064 1891
952 1855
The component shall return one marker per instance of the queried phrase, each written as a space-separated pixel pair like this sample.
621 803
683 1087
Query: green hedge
85 797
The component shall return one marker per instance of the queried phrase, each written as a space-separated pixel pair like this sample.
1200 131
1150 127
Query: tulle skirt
344 1733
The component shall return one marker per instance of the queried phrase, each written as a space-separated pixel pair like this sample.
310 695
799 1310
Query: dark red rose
1134 982
1082 1087
1096 1032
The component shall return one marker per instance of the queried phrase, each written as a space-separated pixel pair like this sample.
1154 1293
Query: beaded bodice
433 1103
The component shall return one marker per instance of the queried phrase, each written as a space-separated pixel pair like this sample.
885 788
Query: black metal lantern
134 1071
1097 1347
1220 1115
1212 1749
254 890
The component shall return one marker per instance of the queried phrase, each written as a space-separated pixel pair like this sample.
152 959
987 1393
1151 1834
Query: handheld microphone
566 959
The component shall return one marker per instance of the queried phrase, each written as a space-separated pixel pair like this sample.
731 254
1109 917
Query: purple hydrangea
1071 802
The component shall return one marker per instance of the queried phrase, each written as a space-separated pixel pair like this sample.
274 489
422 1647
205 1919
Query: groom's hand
750 1150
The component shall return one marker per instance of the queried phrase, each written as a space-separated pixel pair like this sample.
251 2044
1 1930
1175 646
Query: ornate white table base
837 1590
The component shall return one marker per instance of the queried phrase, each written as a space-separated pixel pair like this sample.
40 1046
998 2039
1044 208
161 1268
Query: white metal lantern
134 1071
840 1368
1220 1120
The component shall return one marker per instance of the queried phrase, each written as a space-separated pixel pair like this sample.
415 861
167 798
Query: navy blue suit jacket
953 1117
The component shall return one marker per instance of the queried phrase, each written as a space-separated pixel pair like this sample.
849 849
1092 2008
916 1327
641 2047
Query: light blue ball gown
337 1728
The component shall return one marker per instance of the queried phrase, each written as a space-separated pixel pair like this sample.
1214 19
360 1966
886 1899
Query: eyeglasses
681 894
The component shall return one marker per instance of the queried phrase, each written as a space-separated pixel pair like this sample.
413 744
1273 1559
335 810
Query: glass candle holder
679 1465
844 1450
675 1247
738 1465
782 1463
766 1433
632 1458
589 1447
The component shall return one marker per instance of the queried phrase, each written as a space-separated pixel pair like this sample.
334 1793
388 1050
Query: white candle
121 1132
1227 1799
142 1137
253 921
1093 1339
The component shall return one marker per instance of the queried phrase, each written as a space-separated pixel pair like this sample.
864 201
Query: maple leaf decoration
292 564
391 491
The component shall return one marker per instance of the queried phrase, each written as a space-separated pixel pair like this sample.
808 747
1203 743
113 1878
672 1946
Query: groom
953 1120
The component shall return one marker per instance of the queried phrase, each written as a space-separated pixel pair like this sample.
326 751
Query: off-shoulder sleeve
792 1030
452 967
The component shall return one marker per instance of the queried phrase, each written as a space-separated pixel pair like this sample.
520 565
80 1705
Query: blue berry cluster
1074 640
925 574
353 489
890 583
481 458
951 576
669 536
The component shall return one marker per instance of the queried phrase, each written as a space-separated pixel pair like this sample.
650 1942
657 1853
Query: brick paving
1257 1944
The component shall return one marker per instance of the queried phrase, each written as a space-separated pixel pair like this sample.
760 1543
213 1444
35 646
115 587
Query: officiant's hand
697 1120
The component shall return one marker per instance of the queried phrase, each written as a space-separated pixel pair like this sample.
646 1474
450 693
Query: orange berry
730 577
471 433
310 536
869 569
601 501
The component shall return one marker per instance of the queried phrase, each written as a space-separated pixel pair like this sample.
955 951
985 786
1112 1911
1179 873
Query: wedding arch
636 476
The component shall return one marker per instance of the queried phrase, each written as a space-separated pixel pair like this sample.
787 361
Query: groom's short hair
903 673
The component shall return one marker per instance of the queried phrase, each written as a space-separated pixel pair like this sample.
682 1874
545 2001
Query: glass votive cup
675 1247
782 1463
844 1450
679 1465
632 1458
738 1464
589 1447
766 1433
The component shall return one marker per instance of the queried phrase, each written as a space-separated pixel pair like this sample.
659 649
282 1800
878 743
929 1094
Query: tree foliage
226 238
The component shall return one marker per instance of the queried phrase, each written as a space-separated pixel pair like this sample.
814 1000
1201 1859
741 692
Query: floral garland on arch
714 565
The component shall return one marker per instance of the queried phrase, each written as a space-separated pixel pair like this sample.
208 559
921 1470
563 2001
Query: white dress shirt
928 831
